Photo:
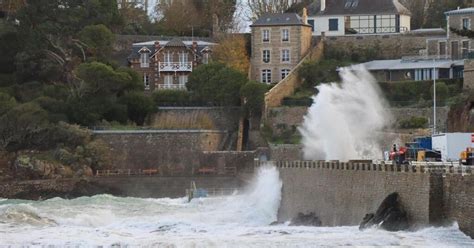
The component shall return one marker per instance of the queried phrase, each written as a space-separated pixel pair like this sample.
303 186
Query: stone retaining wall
218 118
161 148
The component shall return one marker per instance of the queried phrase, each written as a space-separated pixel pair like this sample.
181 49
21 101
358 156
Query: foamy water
240 220
343 122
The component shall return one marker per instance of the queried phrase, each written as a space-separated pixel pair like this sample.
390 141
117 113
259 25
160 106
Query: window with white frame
266 76
183 57
144 60
284 73
266 35
285 35
266 56
168 79
183 79
466 23
146 81
285 55
465 48
167 57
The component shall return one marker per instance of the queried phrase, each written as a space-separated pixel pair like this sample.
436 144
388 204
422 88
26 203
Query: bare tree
259 7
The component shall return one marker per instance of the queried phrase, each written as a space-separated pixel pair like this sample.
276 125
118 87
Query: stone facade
468 74
286 45
288 85
389 46
453 45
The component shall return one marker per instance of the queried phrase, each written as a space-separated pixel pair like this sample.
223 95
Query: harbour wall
343 193
131 186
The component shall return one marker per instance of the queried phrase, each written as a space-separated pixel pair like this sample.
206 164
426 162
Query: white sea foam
240 220
344 120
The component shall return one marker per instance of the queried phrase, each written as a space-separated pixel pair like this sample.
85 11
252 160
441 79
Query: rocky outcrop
28 167
305 220
45 189
390 215
461 117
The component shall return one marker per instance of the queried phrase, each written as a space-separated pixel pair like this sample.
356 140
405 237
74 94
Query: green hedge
416 92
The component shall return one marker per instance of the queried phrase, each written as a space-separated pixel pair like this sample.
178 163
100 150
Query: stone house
279 42
361 17
453 46
168 64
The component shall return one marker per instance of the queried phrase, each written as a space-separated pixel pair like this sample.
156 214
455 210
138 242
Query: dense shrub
172 97
413 122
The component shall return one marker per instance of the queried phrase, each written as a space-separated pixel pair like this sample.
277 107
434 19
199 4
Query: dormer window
144 60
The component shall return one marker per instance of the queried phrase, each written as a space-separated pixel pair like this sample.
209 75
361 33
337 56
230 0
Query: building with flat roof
361 17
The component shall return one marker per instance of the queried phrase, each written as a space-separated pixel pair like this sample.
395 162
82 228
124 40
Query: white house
346 17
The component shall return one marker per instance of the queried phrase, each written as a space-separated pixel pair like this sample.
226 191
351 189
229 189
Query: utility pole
434 99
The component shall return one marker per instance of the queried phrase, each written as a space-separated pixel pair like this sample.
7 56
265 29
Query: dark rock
305 220
390 215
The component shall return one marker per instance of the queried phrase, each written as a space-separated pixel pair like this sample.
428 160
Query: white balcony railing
171 87
175 66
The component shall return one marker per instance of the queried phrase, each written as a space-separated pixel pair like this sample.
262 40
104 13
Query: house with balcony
454 45
360 17
167 64
279 42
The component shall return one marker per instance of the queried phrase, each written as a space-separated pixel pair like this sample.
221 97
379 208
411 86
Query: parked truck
452 145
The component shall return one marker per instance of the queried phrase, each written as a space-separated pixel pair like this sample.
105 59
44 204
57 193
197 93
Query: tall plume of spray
346 119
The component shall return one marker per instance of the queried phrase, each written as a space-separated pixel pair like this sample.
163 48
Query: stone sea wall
343 195
458 201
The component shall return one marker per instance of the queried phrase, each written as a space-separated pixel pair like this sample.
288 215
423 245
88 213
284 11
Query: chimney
323 5
157 46
305 16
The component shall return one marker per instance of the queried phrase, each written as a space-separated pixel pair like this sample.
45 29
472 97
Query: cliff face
461 117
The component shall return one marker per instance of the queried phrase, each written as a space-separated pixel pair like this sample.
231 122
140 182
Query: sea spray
345 119
263 196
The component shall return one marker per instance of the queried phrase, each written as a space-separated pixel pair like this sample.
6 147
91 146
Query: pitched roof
460 11
175 43
363 7
277 19
150 45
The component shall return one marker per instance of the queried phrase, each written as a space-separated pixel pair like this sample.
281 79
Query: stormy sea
239 220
